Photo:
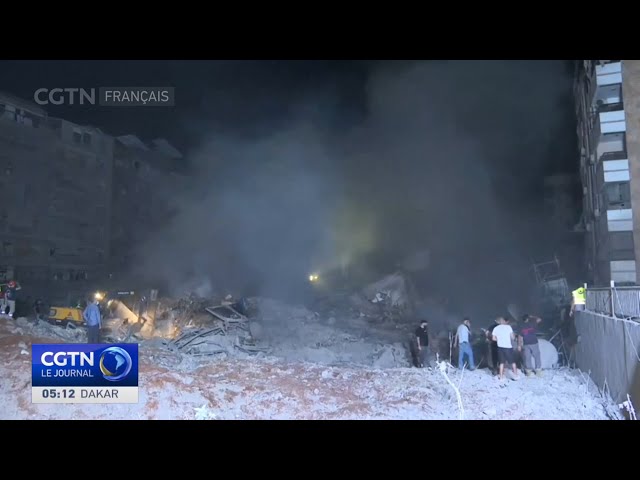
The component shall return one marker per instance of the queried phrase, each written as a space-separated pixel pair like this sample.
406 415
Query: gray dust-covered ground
180 386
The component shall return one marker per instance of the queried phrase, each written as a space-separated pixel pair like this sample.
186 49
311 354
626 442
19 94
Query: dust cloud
445 156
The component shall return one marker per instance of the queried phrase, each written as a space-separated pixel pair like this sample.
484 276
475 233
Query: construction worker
579 300
11 296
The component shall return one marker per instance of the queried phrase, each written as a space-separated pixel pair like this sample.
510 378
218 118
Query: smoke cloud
445 156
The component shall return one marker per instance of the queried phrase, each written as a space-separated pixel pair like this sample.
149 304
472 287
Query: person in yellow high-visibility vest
579 300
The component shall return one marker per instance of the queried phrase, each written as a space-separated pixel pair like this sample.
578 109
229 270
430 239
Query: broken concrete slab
392 287
548 354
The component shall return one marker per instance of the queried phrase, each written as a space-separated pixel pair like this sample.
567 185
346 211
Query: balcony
615 169
612 145
620 220
607 95
609 74
612 118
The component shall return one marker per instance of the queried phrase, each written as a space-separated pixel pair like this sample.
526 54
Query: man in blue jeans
93 319
464 346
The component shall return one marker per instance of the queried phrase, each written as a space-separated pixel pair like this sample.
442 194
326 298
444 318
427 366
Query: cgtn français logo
84 373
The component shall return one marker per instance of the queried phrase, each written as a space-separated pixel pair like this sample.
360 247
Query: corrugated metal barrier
621 302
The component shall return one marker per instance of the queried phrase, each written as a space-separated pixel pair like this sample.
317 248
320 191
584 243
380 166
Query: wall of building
55 196
607 114
24 183
631 96
608 349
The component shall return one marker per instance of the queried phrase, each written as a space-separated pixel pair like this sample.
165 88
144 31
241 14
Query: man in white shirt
504 336
464 346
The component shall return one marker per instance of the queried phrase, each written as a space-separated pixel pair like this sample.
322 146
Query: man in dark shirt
528 344
422 338
492 348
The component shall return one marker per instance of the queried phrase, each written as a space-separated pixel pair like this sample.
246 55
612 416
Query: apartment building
75 201
607 94
55 191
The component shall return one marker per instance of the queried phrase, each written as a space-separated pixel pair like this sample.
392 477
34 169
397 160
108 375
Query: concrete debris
256 331
229 316
490 412
46 329
548 354
22 322
391 289
203 413
203 358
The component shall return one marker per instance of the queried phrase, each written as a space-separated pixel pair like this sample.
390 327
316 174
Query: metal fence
621 302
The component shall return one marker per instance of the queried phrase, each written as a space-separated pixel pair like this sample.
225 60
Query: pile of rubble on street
223 329
259 358
180 386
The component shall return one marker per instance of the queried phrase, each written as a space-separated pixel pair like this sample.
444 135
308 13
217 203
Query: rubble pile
297 334
385 302
176 384
65 334
215 329
213 341
173 314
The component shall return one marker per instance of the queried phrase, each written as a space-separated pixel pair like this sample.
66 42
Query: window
86 138
7 249
618 193
77 136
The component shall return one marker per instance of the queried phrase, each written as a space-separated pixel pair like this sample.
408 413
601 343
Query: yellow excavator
64 315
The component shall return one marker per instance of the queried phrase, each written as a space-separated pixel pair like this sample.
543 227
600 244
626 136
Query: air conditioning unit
585 190
589 226
583 152
596 212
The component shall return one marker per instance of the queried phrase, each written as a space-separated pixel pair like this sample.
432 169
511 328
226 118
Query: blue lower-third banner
84 373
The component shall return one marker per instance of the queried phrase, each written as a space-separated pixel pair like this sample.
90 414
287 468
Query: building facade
55 192
73 199
607 94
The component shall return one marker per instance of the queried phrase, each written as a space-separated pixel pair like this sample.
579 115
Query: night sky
234 97
446 154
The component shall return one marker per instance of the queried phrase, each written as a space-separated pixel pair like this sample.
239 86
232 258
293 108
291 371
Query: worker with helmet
579 300
11 295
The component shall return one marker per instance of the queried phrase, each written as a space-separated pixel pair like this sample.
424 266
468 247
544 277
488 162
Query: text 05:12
64 393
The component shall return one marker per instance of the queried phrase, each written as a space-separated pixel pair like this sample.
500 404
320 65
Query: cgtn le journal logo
81 373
